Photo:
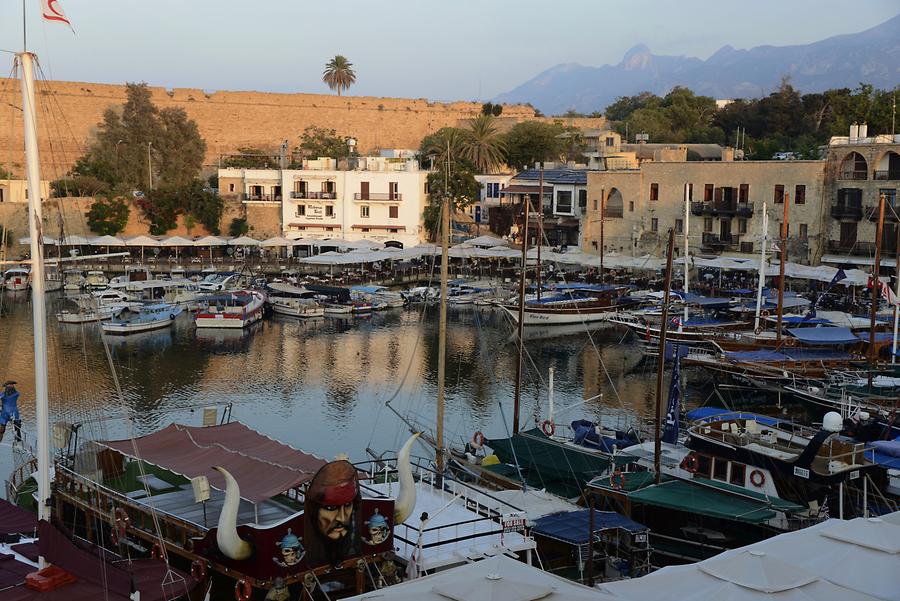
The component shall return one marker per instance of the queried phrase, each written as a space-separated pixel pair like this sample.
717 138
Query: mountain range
871 56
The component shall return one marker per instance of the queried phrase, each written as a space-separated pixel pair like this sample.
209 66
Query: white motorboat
148 317
16 279
296 307
73 280
96 280
231 309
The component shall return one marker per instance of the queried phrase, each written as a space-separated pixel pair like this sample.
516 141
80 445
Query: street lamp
117 157
149 166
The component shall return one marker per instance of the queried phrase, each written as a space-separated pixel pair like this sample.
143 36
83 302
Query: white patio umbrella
47 240
107 241
211 241
275 242
176 242
76 241
142 241
486 241
244 241
364 245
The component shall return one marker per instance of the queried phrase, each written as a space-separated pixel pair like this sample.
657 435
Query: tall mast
540 242
687 226
442 327
896 307
784 234
661 362
602 220
762 265
38 304
876 287
517 399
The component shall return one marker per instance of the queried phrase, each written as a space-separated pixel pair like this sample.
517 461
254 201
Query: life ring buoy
156 551
690 463
765 313
548 427
757 331
617 479
478 439
790 341
198 570
242 590
757 478
172 316
122 520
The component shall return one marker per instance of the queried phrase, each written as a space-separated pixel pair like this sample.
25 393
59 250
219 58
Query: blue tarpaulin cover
710 413
799 319
789 354
572 526
829 335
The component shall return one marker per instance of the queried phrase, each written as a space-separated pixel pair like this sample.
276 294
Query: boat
147 317
218 282
292 301
182 292
96 280
380 296
16 279
73 280
230 310
133 273
573 303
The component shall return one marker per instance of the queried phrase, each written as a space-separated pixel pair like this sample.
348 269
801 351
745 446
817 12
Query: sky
436 49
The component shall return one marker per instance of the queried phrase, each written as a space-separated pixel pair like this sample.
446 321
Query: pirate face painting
378 528
334 520
292 551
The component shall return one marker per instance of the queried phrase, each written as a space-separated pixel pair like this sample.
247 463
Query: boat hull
250 314
124 328
546 316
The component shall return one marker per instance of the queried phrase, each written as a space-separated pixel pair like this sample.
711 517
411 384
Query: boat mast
540 241
38 303
784 235
442 322
687 222
517 398
661 362
762 265
602 219
876 287
896 307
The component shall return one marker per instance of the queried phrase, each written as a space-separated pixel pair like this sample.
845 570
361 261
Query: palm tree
339 74
445 144
483 146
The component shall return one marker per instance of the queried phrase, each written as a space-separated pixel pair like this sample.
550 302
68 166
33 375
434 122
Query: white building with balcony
381 199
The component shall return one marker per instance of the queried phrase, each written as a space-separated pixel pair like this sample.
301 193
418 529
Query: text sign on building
316 212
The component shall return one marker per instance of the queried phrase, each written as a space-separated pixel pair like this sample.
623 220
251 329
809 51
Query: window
364 190
582 199
596 205
393 230
679 226
394 212
231 187
738 471
744 193
690 191
708 192
563 202
631 206
742 226
804 232
654 224
610 141
493 190
779 194
426 188
393 191
704 465
301 210
799 194
720 469
329 210
654 191
707 224
364 211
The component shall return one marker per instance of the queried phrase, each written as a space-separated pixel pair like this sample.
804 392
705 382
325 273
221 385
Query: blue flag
840 275
673 409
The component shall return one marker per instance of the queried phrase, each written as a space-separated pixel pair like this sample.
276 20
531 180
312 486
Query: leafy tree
533 141
447 143
108 216
483 146
321 142
339 74
460 186
162 206
248 157
179 149
238 227
4 174
489 108
624 106
80 185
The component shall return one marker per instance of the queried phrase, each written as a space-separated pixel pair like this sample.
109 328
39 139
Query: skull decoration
292 551
378 527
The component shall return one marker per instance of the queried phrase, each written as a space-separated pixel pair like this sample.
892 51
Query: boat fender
198 570
548 427
242 590
478 439
757 331
690 463
790 341
757 478
156 551
122 520
765 313
617 479
171 316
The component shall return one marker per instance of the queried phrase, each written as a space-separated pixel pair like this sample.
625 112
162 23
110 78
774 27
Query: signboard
801 472
315 212
854 474
513 522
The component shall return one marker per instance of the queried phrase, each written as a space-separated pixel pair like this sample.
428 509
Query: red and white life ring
548 427
690 463
478 439
242 590
757 478
617 479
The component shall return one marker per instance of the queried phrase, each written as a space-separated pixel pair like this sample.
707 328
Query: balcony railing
314 195
852 175
725 208
890 174
890 212
261 197
843 210
717 242
854 246
377 196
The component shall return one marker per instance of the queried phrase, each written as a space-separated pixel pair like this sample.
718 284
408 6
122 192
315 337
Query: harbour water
322 384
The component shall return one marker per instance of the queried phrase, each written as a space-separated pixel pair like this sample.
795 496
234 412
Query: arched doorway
854 166
888 168
615 205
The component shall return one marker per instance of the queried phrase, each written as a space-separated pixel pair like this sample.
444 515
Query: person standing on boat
10 410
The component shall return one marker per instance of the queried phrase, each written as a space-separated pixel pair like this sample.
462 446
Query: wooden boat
296 307
146 318
573 304
231 310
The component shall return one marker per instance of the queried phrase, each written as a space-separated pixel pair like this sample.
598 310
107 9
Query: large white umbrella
107 241
276 241
211 241
244 241
76 241
486 241
364 245
142 241
47 240
176 242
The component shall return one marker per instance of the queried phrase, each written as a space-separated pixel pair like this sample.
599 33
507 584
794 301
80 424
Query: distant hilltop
228 120
871 56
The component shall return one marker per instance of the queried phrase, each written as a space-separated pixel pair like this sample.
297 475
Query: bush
108 217
238 227
79 185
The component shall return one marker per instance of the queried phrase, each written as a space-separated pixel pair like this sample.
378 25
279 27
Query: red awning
14 519
401 228
263 467
524 189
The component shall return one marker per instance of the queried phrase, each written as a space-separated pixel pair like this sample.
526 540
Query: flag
52 11
888 294
823 511
840 275
673 409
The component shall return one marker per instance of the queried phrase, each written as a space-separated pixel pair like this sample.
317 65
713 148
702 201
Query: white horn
406 498
230 544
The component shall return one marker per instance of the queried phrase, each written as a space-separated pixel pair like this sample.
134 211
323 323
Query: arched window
615 206
854 166
888 167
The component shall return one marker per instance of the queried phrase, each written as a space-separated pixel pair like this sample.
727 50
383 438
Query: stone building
380 199
16 190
